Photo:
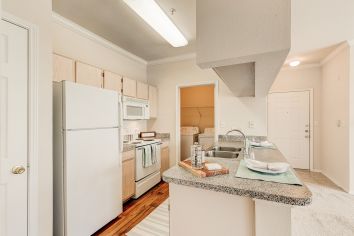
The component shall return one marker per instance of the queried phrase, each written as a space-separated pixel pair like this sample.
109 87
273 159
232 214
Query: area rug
330 214
155 224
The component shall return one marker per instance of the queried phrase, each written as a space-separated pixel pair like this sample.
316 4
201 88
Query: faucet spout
245 143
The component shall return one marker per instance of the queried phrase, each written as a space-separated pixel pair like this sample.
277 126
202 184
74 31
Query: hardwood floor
135 211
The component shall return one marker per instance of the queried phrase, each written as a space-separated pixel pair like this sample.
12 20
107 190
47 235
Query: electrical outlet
250 124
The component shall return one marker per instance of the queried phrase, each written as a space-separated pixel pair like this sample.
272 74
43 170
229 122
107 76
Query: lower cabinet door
128 179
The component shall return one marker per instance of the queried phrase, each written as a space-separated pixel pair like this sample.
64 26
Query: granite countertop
276 192
128 147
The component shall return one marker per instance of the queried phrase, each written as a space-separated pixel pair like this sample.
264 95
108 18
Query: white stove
146 177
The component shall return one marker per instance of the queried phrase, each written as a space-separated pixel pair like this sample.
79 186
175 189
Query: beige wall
334 109
39 12
351 123
70 43
304 78
233 112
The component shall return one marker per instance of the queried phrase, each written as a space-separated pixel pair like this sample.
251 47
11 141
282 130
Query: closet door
89 75
63 68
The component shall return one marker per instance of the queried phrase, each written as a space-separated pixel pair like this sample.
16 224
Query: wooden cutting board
204 172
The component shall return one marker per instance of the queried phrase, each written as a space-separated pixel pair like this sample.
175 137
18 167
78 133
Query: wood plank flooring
135 211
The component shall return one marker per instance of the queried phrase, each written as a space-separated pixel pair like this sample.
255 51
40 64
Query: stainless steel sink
222 154
227 149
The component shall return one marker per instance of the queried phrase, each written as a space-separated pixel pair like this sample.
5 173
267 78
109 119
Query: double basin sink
223 152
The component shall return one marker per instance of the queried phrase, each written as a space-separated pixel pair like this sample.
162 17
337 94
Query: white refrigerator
87 161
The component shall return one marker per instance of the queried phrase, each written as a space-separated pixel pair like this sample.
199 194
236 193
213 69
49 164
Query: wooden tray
204 172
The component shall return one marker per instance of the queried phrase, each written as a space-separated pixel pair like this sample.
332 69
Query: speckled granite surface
163 136
281 193
237 138
128 147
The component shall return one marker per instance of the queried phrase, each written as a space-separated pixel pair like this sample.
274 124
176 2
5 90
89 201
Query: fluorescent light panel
152 14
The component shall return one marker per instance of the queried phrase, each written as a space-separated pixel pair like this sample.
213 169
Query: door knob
17 170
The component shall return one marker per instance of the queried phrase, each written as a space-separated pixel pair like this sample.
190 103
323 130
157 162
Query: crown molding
183 57
336 51
94 37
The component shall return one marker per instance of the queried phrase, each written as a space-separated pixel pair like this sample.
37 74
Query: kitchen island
226 205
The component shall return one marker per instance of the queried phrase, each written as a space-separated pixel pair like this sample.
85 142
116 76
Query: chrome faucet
245 143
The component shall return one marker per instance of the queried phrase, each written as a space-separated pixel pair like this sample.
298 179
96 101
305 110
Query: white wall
304 78
334 109
69 41
39 12
234 112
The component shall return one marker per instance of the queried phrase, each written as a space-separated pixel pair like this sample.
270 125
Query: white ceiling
317 25
116 22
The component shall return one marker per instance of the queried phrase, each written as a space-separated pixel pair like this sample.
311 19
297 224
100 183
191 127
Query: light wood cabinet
129 87
63 68
112 81
89 75
128 173
153 101
142 90
165 159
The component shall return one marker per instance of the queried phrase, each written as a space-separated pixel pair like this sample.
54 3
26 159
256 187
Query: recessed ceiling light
154 16
294 63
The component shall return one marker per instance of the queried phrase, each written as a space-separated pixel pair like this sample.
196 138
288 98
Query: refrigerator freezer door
93 180
89 107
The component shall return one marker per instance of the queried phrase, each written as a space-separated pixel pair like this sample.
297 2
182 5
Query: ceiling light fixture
153 15
294 63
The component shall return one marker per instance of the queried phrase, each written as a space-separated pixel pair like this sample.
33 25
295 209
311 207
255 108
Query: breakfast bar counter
226 205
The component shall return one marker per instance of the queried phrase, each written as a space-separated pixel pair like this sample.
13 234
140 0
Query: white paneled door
289 126
13 129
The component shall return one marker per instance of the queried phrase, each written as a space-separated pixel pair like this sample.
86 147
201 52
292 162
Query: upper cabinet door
129 87
89 75
153 101
142 90
63 68
112 81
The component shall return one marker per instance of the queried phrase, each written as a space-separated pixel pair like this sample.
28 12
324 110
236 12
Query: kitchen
105 89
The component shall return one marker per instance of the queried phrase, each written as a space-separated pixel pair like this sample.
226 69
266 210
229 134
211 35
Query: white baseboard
316 170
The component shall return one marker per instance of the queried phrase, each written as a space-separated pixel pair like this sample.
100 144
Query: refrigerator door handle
120 116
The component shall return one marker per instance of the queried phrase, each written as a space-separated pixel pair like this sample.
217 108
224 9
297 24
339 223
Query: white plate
267 171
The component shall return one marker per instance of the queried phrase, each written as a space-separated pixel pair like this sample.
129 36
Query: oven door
142 172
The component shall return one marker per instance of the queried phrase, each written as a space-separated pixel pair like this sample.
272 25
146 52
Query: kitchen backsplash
134 126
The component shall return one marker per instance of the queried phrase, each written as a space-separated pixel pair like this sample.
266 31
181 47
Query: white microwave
135 109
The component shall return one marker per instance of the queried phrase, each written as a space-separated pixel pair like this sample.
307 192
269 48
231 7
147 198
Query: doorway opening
196 113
